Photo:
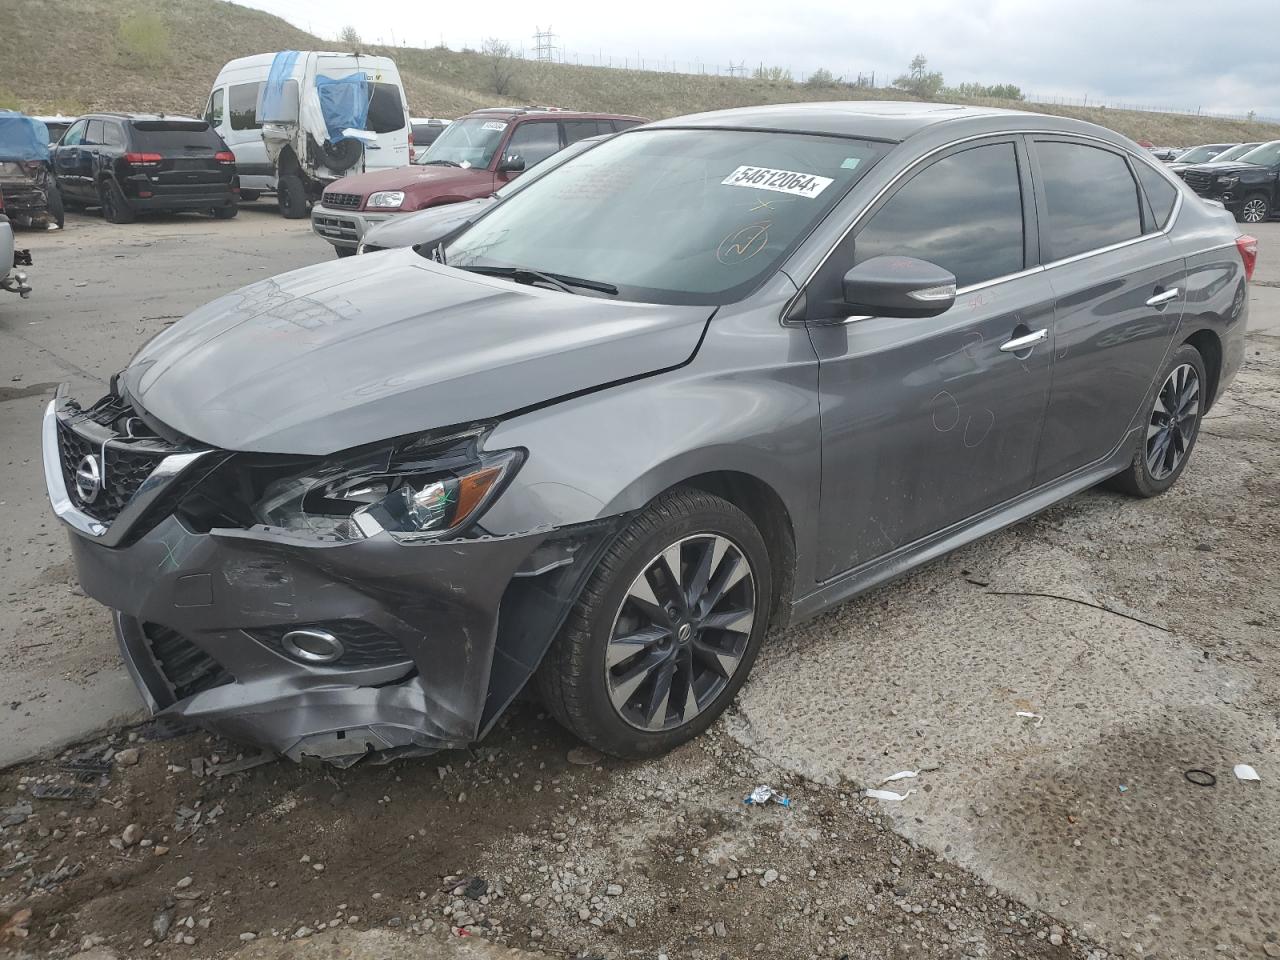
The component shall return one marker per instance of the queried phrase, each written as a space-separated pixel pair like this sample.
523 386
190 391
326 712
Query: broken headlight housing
421 489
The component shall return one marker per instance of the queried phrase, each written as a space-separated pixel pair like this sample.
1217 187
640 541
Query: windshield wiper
558 280
440 163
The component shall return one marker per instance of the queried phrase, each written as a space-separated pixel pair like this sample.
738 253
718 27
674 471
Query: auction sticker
494 125
780 181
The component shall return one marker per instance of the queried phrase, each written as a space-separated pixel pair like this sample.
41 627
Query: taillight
1248 247
412 154
143 159
1 201
225 156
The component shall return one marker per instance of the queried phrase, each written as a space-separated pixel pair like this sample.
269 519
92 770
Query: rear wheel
1255 209
115 208
292 194
1173 425
226 212
666 629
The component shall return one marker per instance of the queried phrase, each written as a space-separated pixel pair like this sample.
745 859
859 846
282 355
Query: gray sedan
719 373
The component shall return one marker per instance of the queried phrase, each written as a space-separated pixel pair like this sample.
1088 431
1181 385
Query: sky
1146 52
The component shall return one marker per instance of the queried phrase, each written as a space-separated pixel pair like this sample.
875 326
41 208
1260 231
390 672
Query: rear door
1119 292
929 422
90 161
388 116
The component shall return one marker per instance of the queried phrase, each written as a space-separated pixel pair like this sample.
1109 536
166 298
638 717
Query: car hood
415 178
424 225
340 354
1226 166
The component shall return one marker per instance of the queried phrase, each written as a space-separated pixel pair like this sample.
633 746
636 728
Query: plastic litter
887 794
1245 772
1039 718
902 775
764 794
46 791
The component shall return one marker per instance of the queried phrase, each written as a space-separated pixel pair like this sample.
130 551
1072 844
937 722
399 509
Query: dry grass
63 55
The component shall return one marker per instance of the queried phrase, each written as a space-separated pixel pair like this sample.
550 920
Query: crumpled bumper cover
220 592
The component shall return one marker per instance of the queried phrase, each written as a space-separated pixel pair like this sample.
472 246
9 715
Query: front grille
121 469
342 228
364 645
1198 181
186 668
345 201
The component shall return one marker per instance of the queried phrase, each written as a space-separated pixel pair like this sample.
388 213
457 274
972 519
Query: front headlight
1228 181
416 490
387 199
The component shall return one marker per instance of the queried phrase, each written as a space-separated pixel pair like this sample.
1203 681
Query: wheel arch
1209 345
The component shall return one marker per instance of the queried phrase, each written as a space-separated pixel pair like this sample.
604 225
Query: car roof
890 121
109 115
510 112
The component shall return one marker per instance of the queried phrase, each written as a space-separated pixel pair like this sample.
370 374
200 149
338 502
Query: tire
343 155
115 208
1255 208
56 207
226 212
1182 388
292 195
573 680
249 196
344 252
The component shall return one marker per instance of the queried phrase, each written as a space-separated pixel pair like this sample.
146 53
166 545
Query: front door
1119 289
927 422
66 161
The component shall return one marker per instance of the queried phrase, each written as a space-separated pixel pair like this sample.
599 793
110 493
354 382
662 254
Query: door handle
1026 342
1160 299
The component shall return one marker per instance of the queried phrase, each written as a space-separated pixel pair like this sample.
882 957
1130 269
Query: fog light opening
312 646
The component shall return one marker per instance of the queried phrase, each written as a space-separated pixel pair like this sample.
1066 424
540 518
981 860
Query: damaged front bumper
433 639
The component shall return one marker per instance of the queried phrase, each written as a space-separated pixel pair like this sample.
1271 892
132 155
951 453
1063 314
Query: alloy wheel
1174 420
681 632
1255 210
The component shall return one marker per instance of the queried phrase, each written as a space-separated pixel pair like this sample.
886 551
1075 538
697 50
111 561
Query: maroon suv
473 157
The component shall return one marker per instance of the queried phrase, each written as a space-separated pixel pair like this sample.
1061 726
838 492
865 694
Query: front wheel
56 207
1255 209
666 629
344 252
1173 425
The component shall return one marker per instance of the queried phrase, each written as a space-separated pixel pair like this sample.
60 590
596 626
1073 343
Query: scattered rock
128 757
131 835
184 883
247 936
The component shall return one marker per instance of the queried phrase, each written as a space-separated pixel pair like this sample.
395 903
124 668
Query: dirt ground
1073 833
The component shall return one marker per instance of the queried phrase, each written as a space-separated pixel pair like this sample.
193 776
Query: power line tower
544 45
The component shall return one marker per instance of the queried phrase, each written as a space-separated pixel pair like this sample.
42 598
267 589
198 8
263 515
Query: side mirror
899 287
511 163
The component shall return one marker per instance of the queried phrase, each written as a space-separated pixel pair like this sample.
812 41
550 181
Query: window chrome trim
1038 268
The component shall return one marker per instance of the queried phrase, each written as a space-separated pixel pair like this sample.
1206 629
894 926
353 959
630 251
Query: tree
822 77
349 36
501 64
772 74
920 82
980 91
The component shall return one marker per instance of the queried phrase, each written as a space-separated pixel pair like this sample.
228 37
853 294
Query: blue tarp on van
344 103
273 99
22 137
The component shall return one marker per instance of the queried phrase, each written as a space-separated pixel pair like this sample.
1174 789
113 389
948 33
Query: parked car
475 156
436 223
720 372
57 125
1166 154
1231 153
1203 153
425 131
12 280
132 163
26 181
1245 186
298 120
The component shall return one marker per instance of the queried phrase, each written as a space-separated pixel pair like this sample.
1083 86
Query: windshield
1265 155
671 216
1201 154
467 143
1235 153
545 167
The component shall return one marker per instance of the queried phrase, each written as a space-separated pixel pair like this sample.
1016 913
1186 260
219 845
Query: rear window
386 109
162 135
1161 194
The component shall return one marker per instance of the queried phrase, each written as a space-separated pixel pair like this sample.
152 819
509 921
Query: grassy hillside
79 55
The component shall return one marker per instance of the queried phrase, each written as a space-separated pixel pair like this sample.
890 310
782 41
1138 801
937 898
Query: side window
621 125
242 104
112 134
214 112
575 130
1161 194
75 136
93 136
1091 196
535 141
963 213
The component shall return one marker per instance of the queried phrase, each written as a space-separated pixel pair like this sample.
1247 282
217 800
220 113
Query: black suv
137 163
1246 186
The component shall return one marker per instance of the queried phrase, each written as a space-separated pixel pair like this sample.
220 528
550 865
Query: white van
277 113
